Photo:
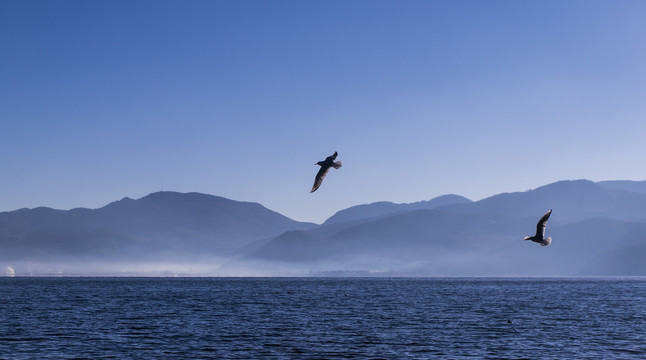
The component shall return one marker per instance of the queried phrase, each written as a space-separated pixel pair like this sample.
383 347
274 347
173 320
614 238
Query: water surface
315 318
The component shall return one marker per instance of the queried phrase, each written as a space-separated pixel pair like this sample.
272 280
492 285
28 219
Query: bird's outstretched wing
331 157
337 164
319 177
540 226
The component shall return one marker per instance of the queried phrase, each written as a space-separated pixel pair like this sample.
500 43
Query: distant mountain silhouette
484 238
571 200
627 185
597 229
161 226
385 208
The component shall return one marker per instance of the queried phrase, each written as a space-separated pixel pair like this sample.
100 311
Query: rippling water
314 318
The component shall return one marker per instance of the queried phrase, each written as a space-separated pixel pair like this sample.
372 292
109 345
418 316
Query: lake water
322 318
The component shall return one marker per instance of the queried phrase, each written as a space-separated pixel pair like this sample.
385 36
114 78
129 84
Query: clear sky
105 99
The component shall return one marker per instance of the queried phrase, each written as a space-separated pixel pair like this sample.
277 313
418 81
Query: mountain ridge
189 224
196 233
588 220
381 208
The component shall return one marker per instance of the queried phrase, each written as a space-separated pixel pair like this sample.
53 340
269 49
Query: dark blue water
314 318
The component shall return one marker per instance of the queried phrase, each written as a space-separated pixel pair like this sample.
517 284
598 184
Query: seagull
540 231
325 166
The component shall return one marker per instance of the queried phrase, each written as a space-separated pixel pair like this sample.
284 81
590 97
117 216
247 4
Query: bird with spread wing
325 167
540 231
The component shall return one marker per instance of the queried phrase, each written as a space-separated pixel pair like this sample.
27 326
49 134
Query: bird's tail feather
546 241
336 164
527 238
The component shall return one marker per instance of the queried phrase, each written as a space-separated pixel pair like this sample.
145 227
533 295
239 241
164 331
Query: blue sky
105 99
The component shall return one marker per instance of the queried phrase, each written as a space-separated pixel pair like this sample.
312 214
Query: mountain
160 227
571 199
385 208
627 185
596 229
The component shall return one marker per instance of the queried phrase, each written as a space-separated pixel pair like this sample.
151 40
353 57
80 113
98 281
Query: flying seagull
540 231
325 166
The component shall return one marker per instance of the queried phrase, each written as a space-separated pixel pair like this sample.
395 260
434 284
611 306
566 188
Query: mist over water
71 268
314 318
9 271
